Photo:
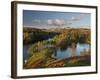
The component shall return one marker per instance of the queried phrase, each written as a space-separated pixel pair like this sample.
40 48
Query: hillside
46 42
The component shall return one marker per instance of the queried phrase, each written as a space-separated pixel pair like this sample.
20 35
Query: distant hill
27 29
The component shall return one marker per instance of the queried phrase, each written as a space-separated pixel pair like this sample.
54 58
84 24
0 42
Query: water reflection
73 50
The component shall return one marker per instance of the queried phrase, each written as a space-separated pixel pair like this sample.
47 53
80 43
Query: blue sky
51 19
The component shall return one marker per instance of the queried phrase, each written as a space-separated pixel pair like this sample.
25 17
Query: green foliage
39 57
42 48
79 63
34 35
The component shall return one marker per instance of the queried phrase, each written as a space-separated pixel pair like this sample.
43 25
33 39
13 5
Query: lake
69 52
25 52
62 54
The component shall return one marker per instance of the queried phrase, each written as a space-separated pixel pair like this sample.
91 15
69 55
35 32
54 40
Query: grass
41 55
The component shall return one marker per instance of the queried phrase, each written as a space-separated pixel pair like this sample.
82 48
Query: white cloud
77 18
49 21
56 22
36 21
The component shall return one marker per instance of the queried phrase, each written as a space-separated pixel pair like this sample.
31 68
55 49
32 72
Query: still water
61 54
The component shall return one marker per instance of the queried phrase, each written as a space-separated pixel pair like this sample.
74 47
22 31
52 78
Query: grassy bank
46 41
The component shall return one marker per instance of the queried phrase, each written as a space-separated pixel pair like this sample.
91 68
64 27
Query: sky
53 19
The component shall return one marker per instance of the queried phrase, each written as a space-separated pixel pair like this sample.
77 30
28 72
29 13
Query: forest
44 44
